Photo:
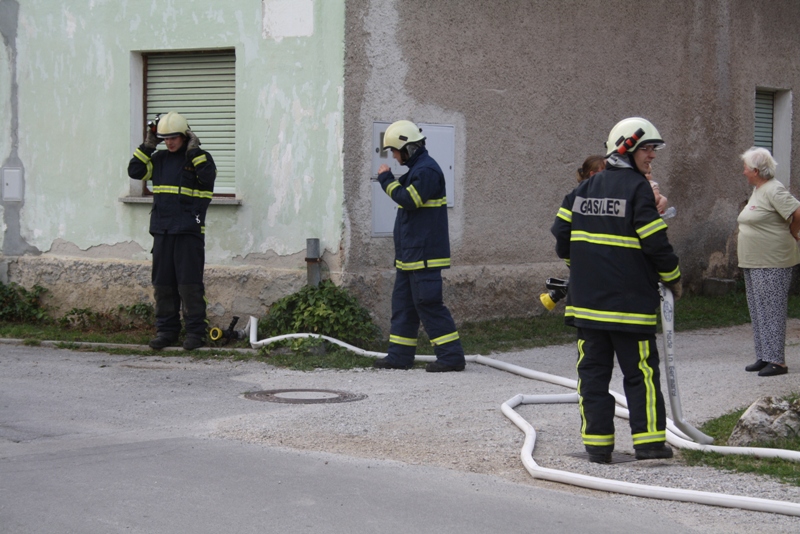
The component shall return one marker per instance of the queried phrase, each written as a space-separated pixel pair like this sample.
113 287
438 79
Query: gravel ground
454 420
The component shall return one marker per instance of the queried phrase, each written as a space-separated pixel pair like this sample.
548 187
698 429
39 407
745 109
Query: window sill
216 201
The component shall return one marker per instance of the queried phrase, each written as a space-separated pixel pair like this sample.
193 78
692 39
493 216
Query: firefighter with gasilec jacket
611 236
183 184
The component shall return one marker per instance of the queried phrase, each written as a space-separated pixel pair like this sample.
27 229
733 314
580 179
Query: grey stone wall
103 285
533 88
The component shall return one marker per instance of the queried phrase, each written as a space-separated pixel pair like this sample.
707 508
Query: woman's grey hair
761 160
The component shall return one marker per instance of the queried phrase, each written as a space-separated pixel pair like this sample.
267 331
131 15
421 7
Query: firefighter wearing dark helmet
422 250
183 184
611 236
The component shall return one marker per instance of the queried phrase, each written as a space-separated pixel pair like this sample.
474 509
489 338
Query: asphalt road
96 443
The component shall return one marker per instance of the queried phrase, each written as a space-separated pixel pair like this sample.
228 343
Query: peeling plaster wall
74 116
533 87
73 70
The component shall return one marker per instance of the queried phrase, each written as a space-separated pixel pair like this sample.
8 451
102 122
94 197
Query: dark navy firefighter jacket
421 238
609 232
183 184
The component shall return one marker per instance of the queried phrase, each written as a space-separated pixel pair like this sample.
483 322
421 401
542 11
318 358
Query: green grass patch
721 428
313 310
697 312
507 335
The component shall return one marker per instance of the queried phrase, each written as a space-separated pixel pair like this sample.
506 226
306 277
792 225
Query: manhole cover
303 396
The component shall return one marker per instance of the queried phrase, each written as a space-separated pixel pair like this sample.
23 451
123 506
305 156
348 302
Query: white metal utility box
440 142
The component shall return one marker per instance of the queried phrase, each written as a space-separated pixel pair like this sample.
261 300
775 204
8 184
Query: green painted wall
75 118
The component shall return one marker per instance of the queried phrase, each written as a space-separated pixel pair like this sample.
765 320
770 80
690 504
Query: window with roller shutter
765 109
201 86
773 127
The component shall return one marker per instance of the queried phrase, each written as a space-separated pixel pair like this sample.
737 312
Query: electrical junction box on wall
440 142
12 185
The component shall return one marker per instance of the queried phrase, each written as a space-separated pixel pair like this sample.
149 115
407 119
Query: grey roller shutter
765 109
201 86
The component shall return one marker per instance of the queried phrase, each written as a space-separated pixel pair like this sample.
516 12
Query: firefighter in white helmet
611 236
422 250
182 185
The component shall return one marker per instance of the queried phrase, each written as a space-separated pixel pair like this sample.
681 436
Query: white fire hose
679 433
668 334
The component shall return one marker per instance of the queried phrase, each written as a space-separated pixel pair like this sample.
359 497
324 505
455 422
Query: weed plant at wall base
20 304
328 310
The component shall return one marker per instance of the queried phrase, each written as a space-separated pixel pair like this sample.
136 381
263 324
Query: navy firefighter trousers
638 358
178 261
417 297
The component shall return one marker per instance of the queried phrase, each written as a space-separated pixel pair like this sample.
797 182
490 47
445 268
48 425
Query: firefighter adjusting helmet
171 124
631 133
400 133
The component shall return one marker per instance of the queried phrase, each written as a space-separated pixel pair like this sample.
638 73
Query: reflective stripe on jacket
183 185
610 234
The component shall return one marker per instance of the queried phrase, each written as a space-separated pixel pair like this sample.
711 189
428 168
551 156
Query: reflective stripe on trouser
178 262
417 297
638 359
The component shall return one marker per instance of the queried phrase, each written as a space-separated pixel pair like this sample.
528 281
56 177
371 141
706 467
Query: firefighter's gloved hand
194 142
676 288
150 140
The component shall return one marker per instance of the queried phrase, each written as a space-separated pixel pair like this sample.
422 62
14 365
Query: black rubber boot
600 458
162 339
384 363
439 367
193 341
658 453
599 455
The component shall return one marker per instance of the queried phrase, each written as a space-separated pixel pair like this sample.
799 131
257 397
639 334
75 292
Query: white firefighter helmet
400 133
171 124
631 133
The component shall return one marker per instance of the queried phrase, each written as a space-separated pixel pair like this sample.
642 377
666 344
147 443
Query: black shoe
385 363
662 452
759 365
193 342
439 367
773 370
600 457
162 340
